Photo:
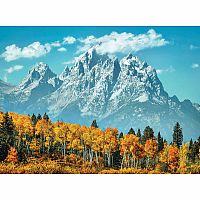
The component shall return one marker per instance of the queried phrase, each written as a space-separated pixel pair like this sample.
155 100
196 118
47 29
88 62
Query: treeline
24 138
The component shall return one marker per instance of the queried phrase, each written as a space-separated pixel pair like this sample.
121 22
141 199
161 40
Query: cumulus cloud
69 40
62 49
195 65
13 52
14 69
169 69
122 42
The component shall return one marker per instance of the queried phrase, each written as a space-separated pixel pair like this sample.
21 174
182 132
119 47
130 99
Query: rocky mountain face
5 88
122 94
39 82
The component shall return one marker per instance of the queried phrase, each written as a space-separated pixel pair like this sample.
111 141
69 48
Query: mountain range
117 93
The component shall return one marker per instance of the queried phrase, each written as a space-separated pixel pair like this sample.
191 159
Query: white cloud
15 68
10 70
193 47
69 40
35 49
122 42
195 65
70 62
62 49
55 44
169 69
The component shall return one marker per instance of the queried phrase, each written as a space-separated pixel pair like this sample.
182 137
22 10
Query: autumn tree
183 155
12 155
110 143
164 158
173 158
151 150
45 134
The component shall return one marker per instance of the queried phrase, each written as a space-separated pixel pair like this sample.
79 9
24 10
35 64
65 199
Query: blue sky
173 51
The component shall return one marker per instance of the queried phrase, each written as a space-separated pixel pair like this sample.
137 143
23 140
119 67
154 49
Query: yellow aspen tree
151 150
111 143
183 155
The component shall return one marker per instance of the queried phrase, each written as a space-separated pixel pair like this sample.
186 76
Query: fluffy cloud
13 52
62 49
195 65
169 69
14 68
69 40
123 42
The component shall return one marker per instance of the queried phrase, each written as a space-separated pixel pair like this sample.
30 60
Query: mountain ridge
122 94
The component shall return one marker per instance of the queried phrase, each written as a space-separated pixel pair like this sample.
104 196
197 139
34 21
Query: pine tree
94 124
160 142
45 116
147 134
131 131
121 135
191 144
7 136
39 117
34 119
177 135
139 135
22 153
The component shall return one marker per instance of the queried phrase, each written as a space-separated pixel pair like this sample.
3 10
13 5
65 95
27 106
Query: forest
37 145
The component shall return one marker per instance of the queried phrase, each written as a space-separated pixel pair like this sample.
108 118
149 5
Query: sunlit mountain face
117 92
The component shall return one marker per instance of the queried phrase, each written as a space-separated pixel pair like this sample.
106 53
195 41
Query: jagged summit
118 93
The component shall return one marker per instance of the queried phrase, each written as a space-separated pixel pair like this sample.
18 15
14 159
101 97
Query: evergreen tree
34 119
139 135
45 116
190 144
177 135
94 124
147 134
160 142
121 135
131 131
7 129
7 136
22 153
39 117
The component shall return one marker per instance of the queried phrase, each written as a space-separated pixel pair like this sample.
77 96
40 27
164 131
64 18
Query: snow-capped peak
64 74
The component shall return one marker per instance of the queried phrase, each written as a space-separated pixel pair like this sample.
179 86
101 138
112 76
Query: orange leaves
173 158
44 127
110 139
150 148
12 156
129 144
